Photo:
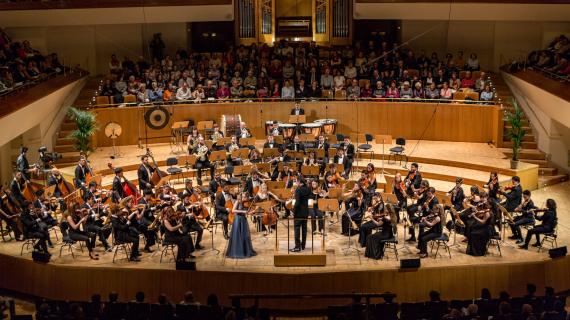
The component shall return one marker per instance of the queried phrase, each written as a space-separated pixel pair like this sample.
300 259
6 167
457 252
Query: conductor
301 210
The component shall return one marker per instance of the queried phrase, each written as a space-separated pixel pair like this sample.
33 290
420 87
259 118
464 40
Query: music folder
328 205
219 155
297 119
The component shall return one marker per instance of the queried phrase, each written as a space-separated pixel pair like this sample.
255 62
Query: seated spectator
486 94
459 60
480 83
155 93
276 92
198 95
189 299
223 92
263 93
275 70
108 89
440 78
366 92
236 91
432 92
263 81
142 94
339 81
170 93
454 82
392 91
327 79
250 82
467 82
350 71
446 92
314 91
288 70
210 90
353 92
473 62
406 92
418 92
186 79
183 93
301 90
379 91
287 92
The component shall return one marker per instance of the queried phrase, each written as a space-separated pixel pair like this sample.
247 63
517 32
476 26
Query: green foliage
516 133
86 127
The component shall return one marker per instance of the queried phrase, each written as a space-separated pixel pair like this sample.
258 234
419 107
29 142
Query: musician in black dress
480 230
375 242
513 194
94 221
220 204
317 221
203 162
355 207
525 218
189 221
434 221
144 174
118 191
369 183
173 234
73 223
399 189
369 220
549 222
301 211
34 228
124 233
457 195
493 186
415 210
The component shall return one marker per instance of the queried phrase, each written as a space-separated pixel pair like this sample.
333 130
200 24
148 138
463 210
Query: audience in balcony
554 59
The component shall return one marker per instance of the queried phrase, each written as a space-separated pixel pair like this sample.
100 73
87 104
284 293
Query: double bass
128 187
157 174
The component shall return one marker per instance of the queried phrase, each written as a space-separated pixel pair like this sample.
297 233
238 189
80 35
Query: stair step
63 164
64 133
527 138
525 154
525 145
68 157
64 141
540 163
545 181
548 171
68 126
64 148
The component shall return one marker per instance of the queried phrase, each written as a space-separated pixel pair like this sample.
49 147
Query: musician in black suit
215 184
297 110
232 146
415 210
203 160
33 227
252 182
349 149
144 174
189 221
220 205
80 173
301 210
549 221
124 233
296 145
22 164
526 218
118 191
275 130
17 188
271 144
341 158
513 196
243 131
94 222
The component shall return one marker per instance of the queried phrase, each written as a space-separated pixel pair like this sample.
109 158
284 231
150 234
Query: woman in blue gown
239 245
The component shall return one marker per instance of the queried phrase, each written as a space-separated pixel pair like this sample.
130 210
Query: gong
157 117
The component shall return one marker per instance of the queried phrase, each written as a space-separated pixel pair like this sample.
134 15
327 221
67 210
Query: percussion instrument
157 117
329 125
269 126
230 123
288 130
314 128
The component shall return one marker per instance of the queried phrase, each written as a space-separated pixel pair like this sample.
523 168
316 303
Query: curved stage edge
56 281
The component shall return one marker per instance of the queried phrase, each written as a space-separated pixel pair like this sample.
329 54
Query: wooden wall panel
430 121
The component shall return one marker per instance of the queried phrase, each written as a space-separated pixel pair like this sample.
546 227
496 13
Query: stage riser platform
465 282
412 120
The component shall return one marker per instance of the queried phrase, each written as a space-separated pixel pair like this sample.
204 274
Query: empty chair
399 150
367 146
173 168
339 139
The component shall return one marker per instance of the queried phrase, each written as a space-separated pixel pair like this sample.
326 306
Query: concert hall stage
68 278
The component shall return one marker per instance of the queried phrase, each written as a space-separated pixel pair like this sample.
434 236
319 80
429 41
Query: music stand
278 139
240 171
247 141
263 167
310 171
223 141
219 155
297 119
188 161
177 131
270 152
384 138
275 185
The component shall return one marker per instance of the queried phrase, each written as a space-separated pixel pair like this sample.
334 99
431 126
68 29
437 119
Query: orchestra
158 211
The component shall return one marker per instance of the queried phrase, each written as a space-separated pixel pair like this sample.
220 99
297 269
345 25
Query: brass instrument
216 136
201 152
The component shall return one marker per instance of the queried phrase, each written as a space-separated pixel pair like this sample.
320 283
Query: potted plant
516 133
86 127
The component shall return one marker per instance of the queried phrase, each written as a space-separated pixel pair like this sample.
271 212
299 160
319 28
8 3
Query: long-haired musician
481 227
73 222
202 162
94 213
123 232
369 221
239 244
526 217
434 222
191 211
415 210
549 222
173 234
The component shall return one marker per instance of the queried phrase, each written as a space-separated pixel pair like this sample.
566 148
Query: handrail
307 100
550 74
29 84
236 298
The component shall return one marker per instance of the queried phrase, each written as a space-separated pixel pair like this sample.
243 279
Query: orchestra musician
369 182
434 221
399 189
349 151
271 144
220 206
323 145
55 179
300 213
10 214
44 211
243 131
375 243
513 194
22 164
416 209
255 156
231 147
286 174
202 162
217 135
355 206
73 222
427 209
254 182
341 158
118 191
33 227
525 218
192 139
480 228
94 214
336 176
274 131
413 179
470 204
369 222
144 174
239 244
191 212
297 110
549 222
168 196
493 186
317 221
17 188
123 231
261 196
173 234
81 171
215 186
457 195
296 146
311 159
